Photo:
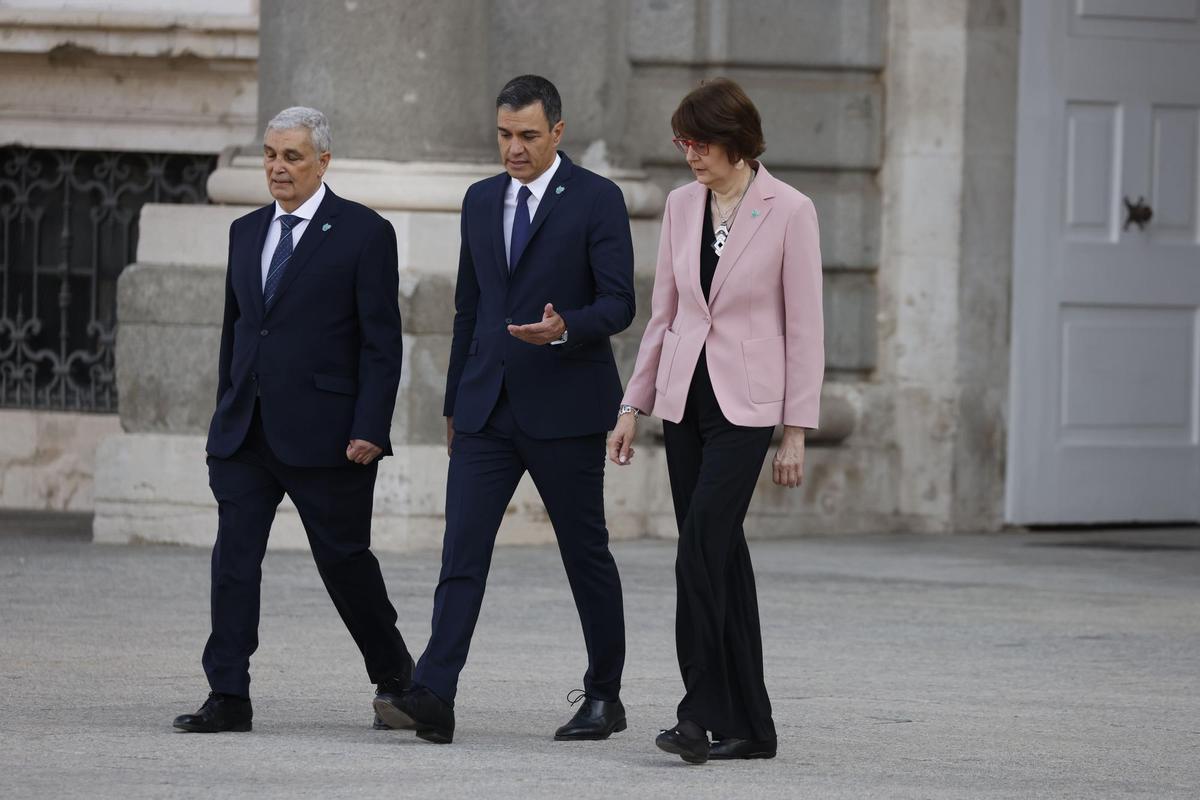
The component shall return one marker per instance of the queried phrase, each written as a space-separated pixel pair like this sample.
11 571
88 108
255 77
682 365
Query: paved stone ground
1031 665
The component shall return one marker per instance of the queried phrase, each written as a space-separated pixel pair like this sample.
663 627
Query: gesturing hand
548 330
360 451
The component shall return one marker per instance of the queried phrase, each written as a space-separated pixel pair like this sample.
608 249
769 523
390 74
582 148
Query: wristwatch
560 340
628 409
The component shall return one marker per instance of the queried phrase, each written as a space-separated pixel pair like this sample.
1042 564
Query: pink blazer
762 329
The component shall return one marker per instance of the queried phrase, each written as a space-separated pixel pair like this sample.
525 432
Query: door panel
1105 395
1174 173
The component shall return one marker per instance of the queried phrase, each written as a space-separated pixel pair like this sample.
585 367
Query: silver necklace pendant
718 242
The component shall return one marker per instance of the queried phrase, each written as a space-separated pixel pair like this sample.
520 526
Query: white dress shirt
275 229
537 188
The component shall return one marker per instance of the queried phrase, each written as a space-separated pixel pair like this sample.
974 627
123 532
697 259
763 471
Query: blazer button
263 332
707 321
508 320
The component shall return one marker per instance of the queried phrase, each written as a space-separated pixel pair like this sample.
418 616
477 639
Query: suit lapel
314 236
250 254
695 211
750 217
497 225
548 201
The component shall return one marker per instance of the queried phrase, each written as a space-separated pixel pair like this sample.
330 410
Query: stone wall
128 75
914 204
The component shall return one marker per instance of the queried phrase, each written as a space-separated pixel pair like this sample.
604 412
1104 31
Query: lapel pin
327 226
560 190
754 213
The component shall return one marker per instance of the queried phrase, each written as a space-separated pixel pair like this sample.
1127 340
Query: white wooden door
1105 372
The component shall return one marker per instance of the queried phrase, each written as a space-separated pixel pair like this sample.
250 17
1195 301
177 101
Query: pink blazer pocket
666 357
765 368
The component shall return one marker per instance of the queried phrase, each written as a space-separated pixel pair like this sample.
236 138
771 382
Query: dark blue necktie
520 231
279 261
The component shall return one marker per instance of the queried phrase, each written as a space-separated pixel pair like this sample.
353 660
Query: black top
708 258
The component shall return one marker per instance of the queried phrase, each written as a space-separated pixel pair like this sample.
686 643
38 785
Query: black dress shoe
596 719
742 748
220 712
392 686
418 710
693 750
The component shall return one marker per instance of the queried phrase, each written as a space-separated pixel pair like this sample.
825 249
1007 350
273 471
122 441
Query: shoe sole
396 719
686 755
757 754
590 737
435 736
242 727
393 717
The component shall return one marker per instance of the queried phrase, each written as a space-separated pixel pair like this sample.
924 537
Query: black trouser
485 468
335 507
714 466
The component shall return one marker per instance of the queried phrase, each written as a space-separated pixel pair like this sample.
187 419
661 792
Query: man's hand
788 467
449 436
550 329
360 451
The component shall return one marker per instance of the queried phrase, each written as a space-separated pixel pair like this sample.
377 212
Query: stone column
400 81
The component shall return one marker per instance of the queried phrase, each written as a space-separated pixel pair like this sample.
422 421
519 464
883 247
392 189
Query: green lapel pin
754 213
560 190
327 226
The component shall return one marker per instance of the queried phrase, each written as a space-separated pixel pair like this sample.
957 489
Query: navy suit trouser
485 468
335 506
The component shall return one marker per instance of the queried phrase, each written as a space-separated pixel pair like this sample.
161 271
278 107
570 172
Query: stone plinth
153 482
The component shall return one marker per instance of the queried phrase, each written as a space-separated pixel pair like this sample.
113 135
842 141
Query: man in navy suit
308 370
545 277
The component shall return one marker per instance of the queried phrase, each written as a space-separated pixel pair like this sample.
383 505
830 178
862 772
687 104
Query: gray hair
304 117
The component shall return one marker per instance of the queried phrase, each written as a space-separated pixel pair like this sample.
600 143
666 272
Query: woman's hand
788 466
620 441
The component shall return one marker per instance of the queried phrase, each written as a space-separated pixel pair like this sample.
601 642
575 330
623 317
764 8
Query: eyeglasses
699 148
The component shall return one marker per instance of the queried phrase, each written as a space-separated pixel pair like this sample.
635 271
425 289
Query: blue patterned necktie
283 254
520 229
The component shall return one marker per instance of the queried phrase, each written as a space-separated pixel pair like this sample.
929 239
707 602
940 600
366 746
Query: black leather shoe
393 686
418 710
220 712
596 719
725 749
691 750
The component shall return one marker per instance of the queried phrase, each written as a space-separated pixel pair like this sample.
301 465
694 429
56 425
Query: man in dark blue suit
308 370
545 277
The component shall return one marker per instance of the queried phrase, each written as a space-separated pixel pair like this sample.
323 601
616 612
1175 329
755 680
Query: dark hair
525 90
719 112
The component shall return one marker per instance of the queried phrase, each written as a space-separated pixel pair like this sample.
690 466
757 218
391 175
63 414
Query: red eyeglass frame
682 145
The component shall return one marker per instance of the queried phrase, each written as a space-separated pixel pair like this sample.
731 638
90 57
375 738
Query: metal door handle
1137 213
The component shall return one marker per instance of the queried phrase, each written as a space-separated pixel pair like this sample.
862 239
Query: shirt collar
538 186
307 210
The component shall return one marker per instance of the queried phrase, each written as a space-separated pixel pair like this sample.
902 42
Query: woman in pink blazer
734 347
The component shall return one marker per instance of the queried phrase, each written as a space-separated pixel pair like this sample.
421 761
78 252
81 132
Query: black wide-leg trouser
335 506
714 466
